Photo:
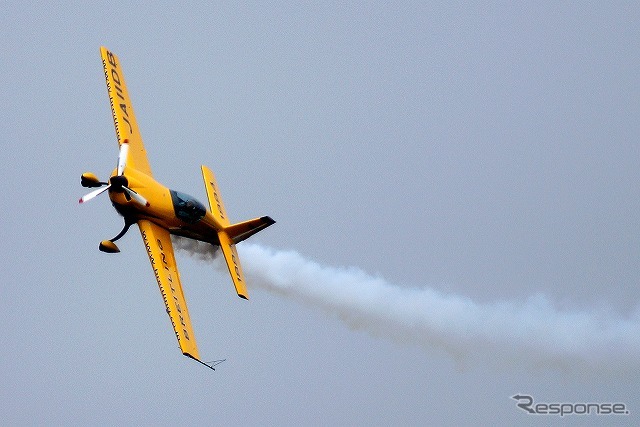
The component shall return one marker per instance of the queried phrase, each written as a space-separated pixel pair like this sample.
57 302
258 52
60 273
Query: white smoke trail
200 250
531 333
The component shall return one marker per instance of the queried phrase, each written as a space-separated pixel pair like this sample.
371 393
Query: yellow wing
122 111
157 240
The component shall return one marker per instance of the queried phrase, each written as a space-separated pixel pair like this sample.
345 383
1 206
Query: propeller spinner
116 182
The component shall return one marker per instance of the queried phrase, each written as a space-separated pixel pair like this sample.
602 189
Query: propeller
122 156
93 194
135 196
118 181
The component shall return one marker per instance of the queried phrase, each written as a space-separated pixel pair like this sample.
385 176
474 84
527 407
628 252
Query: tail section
243 230
230 234
233 262
213 194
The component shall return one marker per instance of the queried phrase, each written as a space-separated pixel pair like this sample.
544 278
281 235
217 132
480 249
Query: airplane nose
118 182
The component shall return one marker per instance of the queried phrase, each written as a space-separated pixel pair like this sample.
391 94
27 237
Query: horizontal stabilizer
230 234
233 263
215 200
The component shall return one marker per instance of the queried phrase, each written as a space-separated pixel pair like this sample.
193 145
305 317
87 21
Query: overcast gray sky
487 152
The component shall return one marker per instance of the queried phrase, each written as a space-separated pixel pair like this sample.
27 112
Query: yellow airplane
161 212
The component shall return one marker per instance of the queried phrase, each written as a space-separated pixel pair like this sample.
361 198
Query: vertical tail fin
243 230
230 234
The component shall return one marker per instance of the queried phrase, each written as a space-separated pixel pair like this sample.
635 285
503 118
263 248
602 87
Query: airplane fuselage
177 212
160 212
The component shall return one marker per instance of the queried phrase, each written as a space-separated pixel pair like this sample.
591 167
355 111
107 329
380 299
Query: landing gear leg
109 246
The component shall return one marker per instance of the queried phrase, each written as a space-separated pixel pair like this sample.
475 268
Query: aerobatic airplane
161 212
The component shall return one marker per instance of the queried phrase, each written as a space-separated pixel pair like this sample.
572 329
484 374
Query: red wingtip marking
80 201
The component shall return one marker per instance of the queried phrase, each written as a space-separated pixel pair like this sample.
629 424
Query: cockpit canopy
187 208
